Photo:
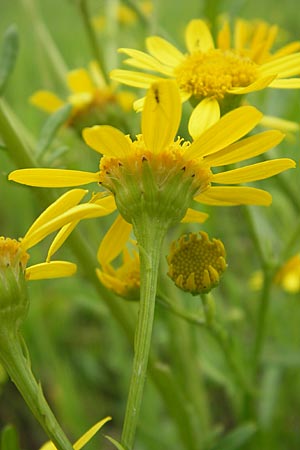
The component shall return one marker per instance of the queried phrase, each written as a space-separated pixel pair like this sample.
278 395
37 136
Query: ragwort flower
233 65
160 175
89 95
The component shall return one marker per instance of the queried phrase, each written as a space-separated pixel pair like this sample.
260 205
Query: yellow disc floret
196 262
213 73
12 254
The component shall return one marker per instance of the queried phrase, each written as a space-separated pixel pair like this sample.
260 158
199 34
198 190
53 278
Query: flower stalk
150 233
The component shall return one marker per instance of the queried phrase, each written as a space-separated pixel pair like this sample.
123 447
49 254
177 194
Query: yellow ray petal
114 241
107 202
144 61
62 204
60 238
255 172
53 177
131 78
193 216
292 47
107 140
161 115
198 36
241 34
231 127
206 113
291 83
246 148
257 85
234 195
47 101
165 52
223 39
85 211
53 269
138 105
79 80
285 66
89 434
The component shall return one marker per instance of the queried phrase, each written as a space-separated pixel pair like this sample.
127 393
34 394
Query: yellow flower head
89 95
125 280
196 263
237 63
160 174
288 276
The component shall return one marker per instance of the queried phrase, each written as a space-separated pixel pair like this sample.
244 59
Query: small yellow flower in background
125 280
158 174
237 63
89 94
125 15
83 440
196 262
287 277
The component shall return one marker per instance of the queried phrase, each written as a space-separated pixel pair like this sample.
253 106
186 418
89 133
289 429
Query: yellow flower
125 15
13 253
125 280
287 277
160 175
233 65
88 93
83 440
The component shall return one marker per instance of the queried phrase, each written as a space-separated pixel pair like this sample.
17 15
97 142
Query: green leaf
115 443
8 55
50 128
237 438
9 439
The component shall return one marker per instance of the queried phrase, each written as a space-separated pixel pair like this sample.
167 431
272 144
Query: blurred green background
78 350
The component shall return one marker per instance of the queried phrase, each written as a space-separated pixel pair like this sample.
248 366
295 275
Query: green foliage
8 56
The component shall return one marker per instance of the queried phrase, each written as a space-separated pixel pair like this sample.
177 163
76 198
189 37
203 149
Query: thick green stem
150 234
17 366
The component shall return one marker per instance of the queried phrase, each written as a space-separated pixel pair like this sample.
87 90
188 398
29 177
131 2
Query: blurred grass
78 351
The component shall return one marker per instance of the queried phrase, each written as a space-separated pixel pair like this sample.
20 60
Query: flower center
163 184
12 254
196 263
215 72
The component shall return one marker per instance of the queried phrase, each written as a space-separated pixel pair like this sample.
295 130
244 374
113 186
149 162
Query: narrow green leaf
8 55
50 128
9 439
237 438
115 443
270 390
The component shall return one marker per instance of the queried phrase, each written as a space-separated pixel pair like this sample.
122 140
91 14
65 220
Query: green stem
150 234
222 338
18 368
97 52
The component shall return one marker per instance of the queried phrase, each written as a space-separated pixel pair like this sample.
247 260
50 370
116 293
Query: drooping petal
206 113
53 177
135 79
194 216
47 101
161 115
85 211
60 238
255 172
198 36
257 85
62 204
107 201
89 434
53 269
231 127
79 80
234 195
165 52
290 83
107 140
143 61
246 148
285 66
114 241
